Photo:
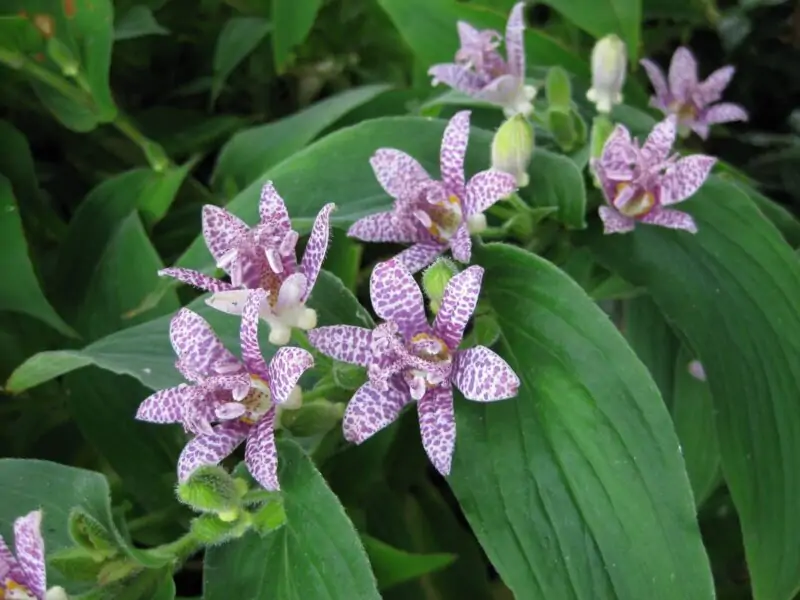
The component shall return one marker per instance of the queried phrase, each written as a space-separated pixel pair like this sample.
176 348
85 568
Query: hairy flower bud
435 280
558 89
609 61
89 534
512 148
211 530
212 489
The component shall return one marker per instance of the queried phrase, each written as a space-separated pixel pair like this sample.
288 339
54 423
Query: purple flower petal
346 343
272 210
515 43
221 230
9 567
248 334
453 151
370 410
461 245
316 248
482 376
656 76
672 219
486 188
659 143
457 77
386 227
711 89
201 409
165 406
196 279
468 35
196 345
619 155
682 74
261 455
398 173
285 370
506 91
437 424
211 449
457 305
725 112
29 548
685 177
614 222
419 256
396 297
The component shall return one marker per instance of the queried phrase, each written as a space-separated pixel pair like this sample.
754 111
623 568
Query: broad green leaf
565 484
787 223
144 351
344 258
316 554
238 38
293 20
556 181
137 22
251 152
21 291
392 565
733 293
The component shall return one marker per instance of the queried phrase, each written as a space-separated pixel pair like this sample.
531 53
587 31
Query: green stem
46 76
180 549
154 153
518 203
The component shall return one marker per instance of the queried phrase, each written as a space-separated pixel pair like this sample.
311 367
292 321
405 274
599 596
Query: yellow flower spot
638 206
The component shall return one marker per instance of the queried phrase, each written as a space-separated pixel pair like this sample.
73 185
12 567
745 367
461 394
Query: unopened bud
88 533
558 89
212 489
55 593
317 417
435 280
512 148
60 54
609 61
211 530
562 125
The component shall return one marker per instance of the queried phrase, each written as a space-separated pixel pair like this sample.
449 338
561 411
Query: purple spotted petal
272 210
398 173
619 155
370 410
614 222
396 297
437 424
196 279
656 76
165 406
506 91
29 549
9 567
261 455
711 89
457 306
515 44
482 376
419 256
317 247
211 449
461 245
221 230
468 35
725 112
457 77
659 143
685 177
248 334
453 151
682 74
196 345
672 219
486 188
386 227
285 370
346 343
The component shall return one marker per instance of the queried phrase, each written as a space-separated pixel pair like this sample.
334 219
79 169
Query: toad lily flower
638 183
481 72
262 257
691 100
23 577
433 215
407 359
241 396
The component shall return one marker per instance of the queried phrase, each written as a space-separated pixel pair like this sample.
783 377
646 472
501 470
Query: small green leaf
238 39
293 20
392 565
137 22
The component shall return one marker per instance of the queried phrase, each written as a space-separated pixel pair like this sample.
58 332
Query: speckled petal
659 143
9 567
165 406
482 376
437 424
386 227
685 177
672 219
725 112
711 89
461 245
221 230
619 155
196 279
682 74
261 455
457 306
486 188
398 173
210 449
656 76
272 210
453 151
370 410
316 247
515 42
419 256
345 343
468 35
396 297
285 370
29 549
248 334
457 77
614 222
196 344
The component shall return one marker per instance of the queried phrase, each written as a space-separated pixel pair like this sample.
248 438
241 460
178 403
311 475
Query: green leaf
556 181
238 39
733 293
317 554
393 566
137 22
21 293
250 153
565 484
787 223
293 20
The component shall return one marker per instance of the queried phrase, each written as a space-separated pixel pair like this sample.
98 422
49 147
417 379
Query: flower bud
56 593
561 124
88 533
435 280
609 61
211 530
313 418
558 89
212 489
512 148
60 54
